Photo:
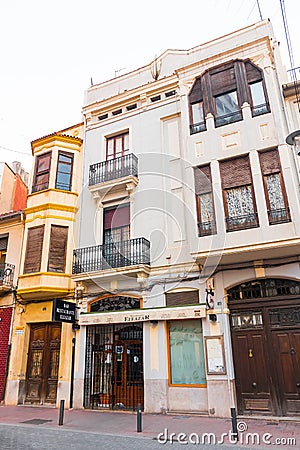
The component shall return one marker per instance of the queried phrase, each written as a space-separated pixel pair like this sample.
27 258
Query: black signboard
63 311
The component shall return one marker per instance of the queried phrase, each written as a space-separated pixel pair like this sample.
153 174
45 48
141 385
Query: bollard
61 412
235 433
139 418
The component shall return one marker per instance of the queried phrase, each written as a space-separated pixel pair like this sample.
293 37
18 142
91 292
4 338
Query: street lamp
294 140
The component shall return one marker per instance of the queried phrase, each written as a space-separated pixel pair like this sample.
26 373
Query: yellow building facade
40 370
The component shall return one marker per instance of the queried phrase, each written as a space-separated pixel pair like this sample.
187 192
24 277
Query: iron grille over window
264 288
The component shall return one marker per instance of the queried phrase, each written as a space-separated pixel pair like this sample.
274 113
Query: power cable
290 52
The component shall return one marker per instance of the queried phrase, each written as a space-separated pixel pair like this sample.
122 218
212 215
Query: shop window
187 366
204 201
57 248
64 171
238 194
276 198
42 172
34 249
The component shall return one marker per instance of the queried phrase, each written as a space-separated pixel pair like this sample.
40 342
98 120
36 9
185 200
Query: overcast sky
50 50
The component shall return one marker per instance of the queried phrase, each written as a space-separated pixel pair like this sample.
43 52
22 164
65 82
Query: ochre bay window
187 366
42 172
34 249
57 248
64 171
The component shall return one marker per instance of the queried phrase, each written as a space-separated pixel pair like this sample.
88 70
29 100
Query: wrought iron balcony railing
242 222
6 274
113 169
207 228
281 215
110 256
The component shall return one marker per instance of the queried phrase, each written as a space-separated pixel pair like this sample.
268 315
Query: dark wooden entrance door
43 363
254 383
286 346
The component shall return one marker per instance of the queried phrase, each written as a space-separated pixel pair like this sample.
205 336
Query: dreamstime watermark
244 438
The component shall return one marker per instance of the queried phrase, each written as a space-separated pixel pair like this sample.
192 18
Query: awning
143 315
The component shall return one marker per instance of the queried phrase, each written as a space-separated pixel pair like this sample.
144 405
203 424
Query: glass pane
197 111
65 159
274 191
206 207
63 181
186 352
239 201
257 93
43 163
227 104
63 167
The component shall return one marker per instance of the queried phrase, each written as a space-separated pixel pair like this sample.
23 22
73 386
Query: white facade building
187 266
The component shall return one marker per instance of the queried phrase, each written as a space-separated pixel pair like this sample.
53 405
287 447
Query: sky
50 51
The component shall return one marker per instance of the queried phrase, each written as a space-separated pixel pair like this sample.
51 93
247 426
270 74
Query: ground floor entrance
266 348
114 366
43 363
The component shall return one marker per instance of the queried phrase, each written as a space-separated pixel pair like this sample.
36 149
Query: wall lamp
293 139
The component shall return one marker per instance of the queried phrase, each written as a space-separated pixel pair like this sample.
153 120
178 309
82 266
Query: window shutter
34 249
236 172
185 298
3 242
270 162
195 95
202 177
57 249
223 81
254 73
117 217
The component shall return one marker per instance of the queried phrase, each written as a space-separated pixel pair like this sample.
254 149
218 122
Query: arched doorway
265 330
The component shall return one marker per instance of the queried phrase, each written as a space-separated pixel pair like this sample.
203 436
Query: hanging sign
63 311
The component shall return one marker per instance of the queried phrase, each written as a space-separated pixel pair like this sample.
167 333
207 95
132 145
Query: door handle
250 353
254 385
292 351
298 385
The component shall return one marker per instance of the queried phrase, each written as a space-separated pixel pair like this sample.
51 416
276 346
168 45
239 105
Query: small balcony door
116 234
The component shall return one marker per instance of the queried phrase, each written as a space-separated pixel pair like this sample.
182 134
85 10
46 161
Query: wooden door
43 363
286 345
254 384
128 377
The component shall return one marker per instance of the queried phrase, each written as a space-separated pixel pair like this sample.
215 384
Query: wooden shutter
3 242
270 162
58 248
254 73
236 172
223 80
34 249
195 95
202 177
182 298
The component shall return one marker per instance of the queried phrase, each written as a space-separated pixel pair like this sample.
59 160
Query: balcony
281 215
114 174
6 276
114 257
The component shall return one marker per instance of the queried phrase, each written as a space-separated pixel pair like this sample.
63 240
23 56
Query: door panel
253 381
43 363
287 347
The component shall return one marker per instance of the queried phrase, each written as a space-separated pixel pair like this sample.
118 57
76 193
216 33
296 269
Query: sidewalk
125 424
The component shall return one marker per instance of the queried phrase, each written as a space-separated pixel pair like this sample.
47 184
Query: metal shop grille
114 367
